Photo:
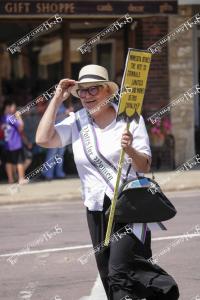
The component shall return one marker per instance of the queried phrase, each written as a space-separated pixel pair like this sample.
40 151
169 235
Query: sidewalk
69 189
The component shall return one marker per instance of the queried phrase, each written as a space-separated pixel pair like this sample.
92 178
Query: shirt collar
115 106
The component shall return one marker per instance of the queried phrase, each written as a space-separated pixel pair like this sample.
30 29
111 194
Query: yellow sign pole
130 106
112 210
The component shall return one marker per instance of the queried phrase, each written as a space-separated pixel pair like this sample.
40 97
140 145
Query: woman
12 125
97 139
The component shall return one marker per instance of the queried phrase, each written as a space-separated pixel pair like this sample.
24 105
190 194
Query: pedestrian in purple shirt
12 126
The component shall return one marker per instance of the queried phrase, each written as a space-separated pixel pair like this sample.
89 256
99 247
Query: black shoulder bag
141 200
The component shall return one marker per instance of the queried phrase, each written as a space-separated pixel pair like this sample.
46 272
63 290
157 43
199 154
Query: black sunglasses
92 90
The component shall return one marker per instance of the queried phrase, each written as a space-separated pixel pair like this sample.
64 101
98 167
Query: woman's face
11 109
91 102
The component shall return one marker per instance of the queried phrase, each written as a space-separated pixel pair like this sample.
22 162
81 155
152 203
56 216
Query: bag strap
127 172
137 174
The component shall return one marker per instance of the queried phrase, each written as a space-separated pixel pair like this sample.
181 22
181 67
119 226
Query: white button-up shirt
94 187
109 144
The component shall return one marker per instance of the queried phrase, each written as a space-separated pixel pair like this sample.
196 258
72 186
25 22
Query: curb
41 200
73 197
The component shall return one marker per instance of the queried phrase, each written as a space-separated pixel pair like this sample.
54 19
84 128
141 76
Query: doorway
197 81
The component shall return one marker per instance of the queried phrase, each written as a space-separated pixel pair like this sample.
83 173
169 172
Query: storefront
54 54
196 67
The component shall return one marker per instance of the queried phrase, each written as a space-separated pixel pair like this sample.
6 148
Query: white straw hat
93 75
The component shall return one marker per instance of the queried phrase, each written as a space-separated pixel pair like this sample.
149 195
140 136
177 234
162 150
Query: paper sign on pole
130 106
134 84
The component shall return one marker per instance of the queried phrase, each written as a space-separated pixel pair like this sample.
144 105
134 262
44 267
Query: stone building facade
180 80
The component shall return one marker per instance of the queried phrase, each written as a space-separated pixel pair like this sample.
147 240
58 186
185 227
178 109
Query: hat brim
113 86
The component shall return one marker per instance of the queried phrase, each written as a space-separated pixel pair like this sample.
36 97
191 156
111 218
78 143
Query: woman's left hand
126 141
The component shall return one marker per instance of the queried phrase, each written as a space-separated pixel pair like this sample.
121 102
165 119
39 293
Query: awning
188 2
52 52
91 8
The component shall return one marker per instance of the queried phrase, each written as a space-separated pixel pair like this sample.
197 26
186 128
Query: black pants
123 266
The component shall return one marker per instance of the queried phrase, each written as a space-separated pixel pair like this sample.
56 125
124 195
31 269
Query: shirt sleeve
64 129
13 122
140 137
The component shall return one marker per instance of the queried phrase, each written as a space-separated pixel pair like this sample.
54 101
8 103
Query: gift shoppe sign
87 8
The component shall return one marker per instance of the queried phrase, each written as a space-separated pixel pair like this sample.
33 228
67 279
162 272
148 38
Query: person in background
27 147
1 143
12 127
56 171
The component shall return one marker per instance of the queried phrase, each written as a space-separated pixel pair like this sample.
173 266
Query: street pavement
51 237
70 188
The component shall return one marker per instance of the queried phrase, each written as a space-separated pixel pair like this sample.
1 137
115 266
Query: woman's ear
108 89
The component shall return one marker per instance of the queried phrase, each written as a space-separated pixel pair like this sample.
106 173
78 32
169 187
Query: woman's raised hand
63 89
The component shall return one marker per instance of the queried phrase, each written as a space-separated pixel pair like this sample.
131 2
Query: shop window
104 55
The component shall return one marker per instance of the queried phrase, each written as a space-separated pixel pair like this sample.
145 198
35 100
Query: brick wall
157 92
